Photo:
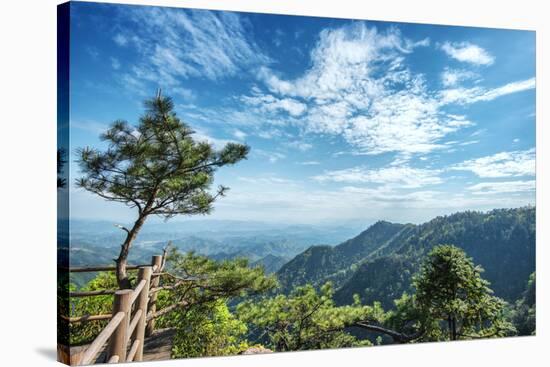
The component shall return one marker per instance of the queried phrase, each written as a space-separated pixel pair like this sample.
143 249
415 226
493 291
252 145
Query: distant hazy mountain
98 242
271 263
378 264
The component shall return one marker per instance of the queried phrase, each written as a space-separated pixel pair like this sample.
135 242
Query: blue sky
347 120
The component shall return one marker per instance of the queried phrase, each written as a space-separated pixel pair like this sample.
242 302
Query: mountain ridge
502 241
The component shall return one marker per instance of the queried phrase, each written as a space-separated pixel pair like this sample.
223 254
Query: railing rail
133 315
88 269
123 328
128 320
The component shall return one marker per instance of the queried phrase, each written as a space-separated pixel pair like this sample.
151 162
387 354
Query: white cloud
403 176
310 163
489 188
269 103
451 77
385 195
272 157
468 52
300 145
239 134
94 127
479 94
115 63
504 164
341 57
267 180
175 43
187 94
120 39
201 135
359 87
507 89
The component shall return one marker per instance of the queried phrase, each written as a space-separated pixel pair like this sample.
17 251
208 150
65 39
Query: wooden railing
132 318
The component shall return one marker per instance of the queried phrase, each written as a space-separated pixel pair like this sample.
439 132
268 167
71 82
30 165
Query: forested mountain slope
319 263
379 263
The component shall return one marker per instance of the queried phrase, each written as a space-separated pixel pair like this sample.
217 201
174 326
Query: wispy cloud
271 156
115 63
175 44
300 145
202 135
267 180
94 127
468 52
451 77
490 188
269 103
239 134
479 94
120 39
504 164
359 87
404 176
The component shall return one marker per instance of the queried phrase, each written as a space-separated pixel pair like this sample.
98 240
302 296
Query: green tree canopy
304 320
156 167
451 291
525 310
208 329
201 280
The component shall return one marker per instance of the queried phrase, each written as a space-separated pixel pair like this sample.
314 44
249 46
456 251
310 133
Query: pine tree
450 289
157 168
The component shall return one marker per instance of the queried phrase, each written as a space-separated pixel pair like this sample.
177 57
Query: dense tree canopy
450 289
305 319
525 310
450 301
209 329
201 280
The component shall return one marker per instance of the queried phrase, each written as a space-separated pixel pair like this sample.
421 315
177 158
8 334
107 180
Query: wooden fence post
156 261
118 342
142 302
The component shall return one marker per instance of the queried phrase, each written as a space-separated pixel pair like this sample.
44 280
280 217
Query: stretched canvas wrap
236 183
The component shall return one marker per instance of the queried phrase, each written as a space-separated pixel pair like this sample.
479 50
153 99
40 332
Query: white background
28 193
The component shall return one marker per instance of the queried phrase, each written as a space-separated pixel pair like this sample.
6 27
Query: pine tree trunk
122 260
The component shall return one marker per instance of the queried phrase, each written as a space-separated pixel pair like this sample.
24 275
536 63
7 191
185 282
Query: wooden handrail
113 359
133 350
137 291
86 318
134 323
95 268
157 262
142 305
103 292
119 341
126 328
102 338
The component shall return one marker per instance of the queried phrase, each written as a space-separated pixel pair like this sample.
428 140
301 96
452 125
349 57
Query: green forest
468 275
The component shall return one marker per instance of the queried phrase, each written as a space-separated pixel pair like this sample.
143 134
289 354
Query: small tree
203 289
156 167
450 289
